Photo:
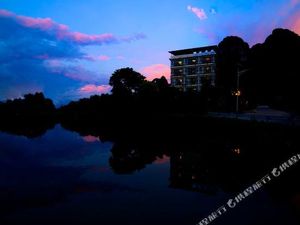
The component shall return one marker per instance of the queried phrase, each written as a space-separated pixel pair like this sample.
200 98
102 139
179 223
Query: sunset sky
69 48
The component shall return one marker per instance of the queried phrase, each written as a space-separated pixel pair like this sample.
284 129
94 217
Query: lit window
179 82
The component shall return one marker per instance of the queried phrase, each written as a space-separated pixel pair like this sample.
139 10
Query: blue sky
73 53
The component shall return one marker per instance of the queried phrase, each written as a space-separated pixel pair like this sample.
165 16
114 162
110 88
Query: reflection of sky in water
62 178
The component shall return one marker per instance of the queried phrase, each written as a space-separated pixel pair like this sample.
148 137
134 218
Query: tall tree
232 55
126 81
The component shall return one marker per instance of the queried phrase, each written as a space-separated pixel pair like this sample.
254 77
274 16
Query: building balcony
207 74
208 53
178 66
177 75
191 65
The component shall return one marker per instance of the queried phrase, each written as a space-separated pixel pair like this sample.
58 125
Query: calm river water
62 178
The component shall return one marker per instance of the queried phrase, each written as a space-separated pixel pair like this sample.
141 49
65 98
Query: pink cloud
91 88
294 23
287 17
293 20
165 159
200 13
156 71
259 33
5 13
62 32
43 24
90 139
295 2
103 58
296 26
86 39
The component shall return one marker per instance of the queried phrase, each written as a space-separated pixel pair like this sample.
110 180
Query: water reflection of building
188 171
191 67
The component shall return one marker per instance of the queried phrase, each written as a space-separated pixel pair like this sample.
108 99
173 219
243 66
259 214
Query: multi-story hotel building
191 67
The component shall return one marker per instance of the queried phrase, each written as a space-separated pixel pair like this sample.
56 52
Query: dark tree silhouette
159 87
272 79
161 83
31 105
275 71
232 55
126 159
126 81
232 52
30 116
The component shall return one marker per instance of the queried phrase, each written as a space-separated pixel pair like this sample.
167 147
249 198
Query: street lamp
237 93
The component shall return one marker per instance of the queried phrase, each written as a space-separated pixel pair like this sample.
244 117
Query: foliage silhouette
232 56
270 72
30 116
272 77
126 81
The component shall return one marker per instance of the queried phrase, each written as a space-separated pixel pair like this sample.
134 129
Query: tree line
268 75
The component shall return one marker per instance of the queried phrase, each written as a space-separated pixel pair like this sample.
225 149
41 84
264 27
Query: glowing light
236 93
237 151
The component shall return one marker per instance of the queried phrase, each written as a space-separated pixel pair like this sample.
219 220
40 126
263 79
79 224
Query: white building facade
190 68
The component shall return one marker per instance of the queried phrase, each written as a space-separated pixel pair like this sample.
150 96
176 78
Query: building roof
193 50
